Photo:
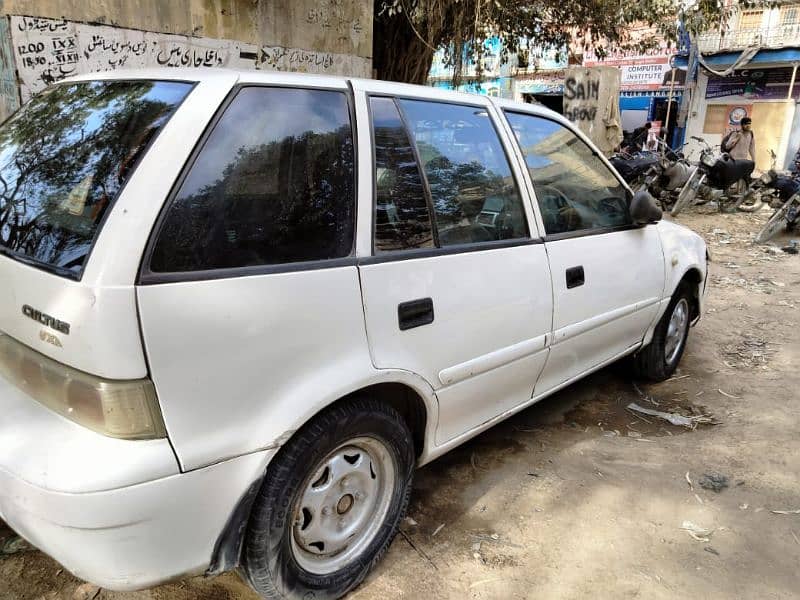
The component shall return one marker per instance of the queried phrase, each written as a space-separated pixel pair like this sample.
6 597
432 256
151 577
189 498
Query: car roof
229 77
225 76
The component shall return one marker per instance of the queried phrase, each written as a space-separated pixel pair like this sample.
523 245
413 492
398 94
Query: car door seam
575 329
492 360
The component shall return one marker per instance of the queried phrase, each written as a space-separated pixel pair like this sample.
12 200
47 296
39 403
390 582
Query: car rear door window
474 195
274 183
575 190
402 218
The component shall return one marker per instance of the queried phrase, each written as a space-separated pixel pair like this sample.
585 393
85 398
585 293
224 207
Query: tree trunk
398 53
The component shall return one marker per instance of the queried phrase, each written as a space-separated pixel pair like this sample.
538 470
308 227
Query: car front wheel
331 502
658 360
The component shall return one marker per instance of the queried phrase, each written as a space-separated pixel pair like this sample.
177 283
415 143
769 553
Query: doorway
660 114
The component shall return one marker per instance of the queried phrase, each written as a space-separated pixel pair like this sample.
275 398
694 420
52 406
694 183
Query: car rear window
273 184
64 158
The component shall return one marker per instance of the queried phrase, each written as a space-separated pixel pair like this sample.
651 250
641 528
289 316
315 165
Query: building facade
651 86
538 74
748 68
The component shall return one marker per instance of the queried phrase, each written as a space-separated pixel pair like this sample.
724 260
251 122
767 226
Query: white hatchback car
238 308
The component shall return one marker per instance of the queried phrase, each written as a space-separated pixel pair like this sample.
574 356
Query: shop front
544 87
647 84
767 94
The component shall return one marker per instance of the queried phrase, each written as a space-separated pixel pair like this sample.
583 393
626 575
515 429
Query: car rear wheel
658 360
331 503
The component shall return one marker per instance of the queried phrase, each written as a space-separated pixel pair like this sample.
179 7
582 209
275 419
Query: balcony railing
774 37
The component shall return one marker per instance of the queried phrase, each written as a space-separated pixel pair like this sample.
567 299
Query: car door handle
575 277
415 313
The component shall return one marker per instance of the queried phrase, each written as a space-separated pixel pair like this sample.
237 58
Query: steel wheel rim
342 505
676 330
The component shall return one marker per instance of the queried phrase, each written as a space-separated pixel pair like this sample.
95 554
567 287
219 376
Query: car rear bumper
114 512
133 537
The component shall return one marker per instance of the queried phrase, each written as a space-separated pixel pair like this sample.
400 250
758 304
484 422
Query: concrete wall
52 39
9 90
339 26
234 19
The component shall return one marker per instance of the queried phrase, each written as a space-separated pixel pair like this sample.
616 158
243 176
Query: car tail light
120 409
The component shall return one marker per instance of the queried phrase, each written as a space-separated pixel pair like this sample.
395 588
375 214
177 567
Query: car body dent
684 251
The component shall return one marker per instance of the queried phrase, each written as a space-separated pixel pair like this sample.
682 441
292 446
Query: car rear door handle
415 313
575 277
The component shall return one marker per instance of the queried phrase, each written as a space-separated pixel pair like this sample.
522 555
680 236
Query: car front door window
575 190
474 196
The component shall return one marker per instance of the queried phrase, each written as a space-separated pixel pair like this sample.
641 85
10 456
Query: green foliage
461 27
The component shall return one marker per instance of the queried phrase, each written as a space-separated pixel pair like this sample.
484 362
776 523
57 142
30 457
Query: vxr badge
48 337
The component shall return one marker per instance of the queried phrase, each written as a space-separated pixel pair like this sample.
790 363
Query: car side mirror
644 209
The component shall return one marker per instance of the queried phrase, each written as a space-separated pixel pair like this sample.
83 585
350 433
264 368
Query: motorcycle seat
727 171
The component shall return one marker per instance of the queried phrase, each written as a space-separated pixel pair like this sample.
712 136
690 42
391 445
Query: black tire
775 223
269 561
749 200
650 363
688 194
685 198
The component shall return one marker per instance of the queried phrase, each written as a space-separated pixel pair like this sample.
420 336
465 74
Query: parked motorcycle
634 167
786 217
771 188
665 178
712 177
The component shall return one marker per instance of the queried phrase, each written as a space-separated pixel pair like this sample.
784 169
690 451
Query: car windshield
65 156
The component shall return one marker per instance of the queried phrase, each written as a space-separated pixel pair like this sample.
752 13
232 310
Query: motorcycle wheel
754 207
685 198
687 194
749 201
774 224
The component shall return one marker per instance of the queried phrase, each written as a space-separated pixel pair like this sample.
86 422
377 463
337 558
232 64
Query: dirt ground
578 497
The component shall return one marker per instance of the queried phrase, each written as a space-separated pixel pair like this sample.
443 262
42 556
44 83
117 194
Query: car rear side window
64 158
474 195
575 190
402 218
274 183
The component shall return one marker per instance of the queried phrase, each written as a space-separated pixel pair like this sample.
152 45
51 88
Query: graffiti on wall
278 58
48 50
591 101
333 15
581 95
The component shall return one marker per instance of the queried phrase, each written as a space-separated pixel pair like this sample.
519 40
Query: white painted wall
48 50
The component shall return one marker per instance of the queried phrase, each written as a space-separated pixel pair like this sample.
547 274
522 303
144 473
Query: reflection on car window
65 156
402 219
574 188
273 184
475 198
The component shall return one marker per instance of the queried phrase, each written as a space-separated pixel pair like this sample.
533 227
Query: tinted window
64 158
574 188
475 198
273 184
402 219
